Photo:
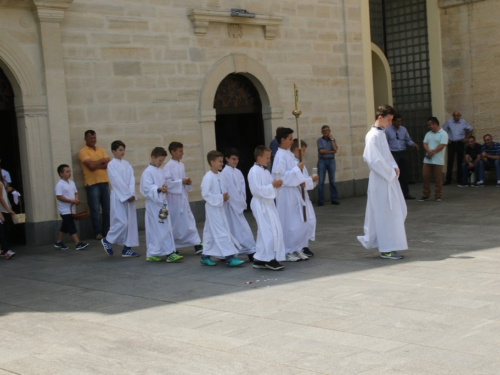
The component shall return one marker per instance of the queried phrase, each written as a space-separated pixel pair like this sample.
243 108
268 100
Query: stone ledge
201 19
454 3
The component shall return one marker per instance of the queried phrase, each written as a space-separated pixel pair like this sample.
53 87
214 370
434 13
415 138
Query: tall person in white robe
270 247
159 238
311 182
217 238
236 188
289 200
123 229
183 223
386 207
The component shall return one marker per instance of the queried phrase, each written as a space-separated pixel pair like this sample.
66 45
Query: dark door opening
239 122
10 156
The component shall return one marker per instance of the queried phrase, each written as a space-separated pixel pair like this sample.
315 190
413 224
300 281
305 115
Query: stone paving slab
345 311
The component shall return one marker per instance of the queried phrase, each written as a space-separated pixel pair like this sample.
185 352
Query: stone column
50 13
207 125
46 135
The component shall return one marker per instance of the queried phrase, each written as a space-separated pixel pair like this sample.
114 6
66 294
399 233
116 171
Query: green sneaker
174 258
153 259
235 262
207 262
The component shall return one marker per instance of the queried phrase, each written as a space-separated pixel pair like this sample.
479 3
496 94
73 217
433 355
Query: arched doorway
382 85
9 152
238 121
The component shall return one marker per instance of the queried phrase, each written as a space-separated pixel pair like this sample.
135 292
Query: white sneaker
9 254
291 258
301 255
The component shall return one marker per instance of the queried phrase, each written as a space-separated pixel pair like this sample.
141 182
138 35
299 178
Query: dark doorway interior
10 155
239 122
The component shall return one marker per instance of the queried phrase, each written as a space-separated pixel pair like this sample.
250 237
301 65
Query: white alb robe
289 201
385 207
235 206
311 215
270 243
217 238
183 224
159 238
123 229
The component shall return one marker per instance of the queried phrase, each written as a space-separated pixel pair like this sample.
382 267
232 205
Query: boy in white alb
159 238
123 229
67 195
178 185
270 245
217 238
311 182
236 188
289 201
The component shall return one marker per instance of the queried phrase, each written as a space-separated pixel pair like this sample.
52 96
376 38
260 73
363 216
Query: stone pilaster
49 14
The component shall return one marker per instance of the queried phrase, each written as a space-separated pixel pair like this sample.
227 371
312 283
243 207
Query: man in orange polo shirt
94 162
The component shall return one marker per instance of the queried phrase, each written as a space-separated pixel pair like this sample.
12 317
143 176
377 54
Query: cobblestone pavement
345 311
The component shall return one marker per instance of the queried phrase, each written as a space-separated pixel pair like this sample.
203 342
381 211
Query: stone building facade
147 73
470 37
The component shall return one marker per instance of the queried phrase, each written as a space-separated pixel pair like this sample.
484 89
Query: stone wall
471 46
134 71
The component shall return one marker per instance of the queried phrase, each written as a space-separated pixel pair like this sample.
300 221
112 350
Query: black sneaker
320 204
250 257
60 245
438 199
274 265
336 203
259 264
423 199
308 252
198 249
463 185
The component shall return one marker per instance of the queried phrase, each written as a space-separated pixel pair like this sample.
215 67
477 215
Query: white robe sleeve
117 179
237 197
376 162
131 182
291 177
149 189
212 198
309 181
172 179
259 187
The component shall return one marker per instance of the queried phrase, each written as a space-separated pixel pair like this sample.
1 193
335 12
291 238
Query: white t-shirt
6 176
67 189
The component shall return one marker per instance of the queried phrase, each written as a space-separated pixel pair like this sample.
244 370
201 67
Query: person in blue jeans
94 162
327 148
491 159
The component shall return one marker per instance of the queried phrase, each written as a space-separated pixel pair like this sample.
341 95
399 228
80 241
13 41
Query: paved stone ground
346 311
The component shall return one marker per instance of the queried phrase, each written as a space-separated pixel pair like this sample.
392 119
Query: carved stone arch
382 83
238 64
19 69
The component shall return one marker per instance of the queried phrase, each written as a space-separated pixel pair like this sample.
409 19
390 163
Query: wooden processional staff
297 112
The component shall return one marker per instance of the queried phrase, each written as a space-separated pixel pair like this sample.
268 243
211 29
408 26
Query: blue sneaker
235 262
207 262
60 245
107 246
128 253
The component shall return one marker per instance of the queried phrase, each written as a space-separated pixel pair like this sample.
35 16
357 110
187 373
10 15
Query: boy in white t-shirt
67 195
